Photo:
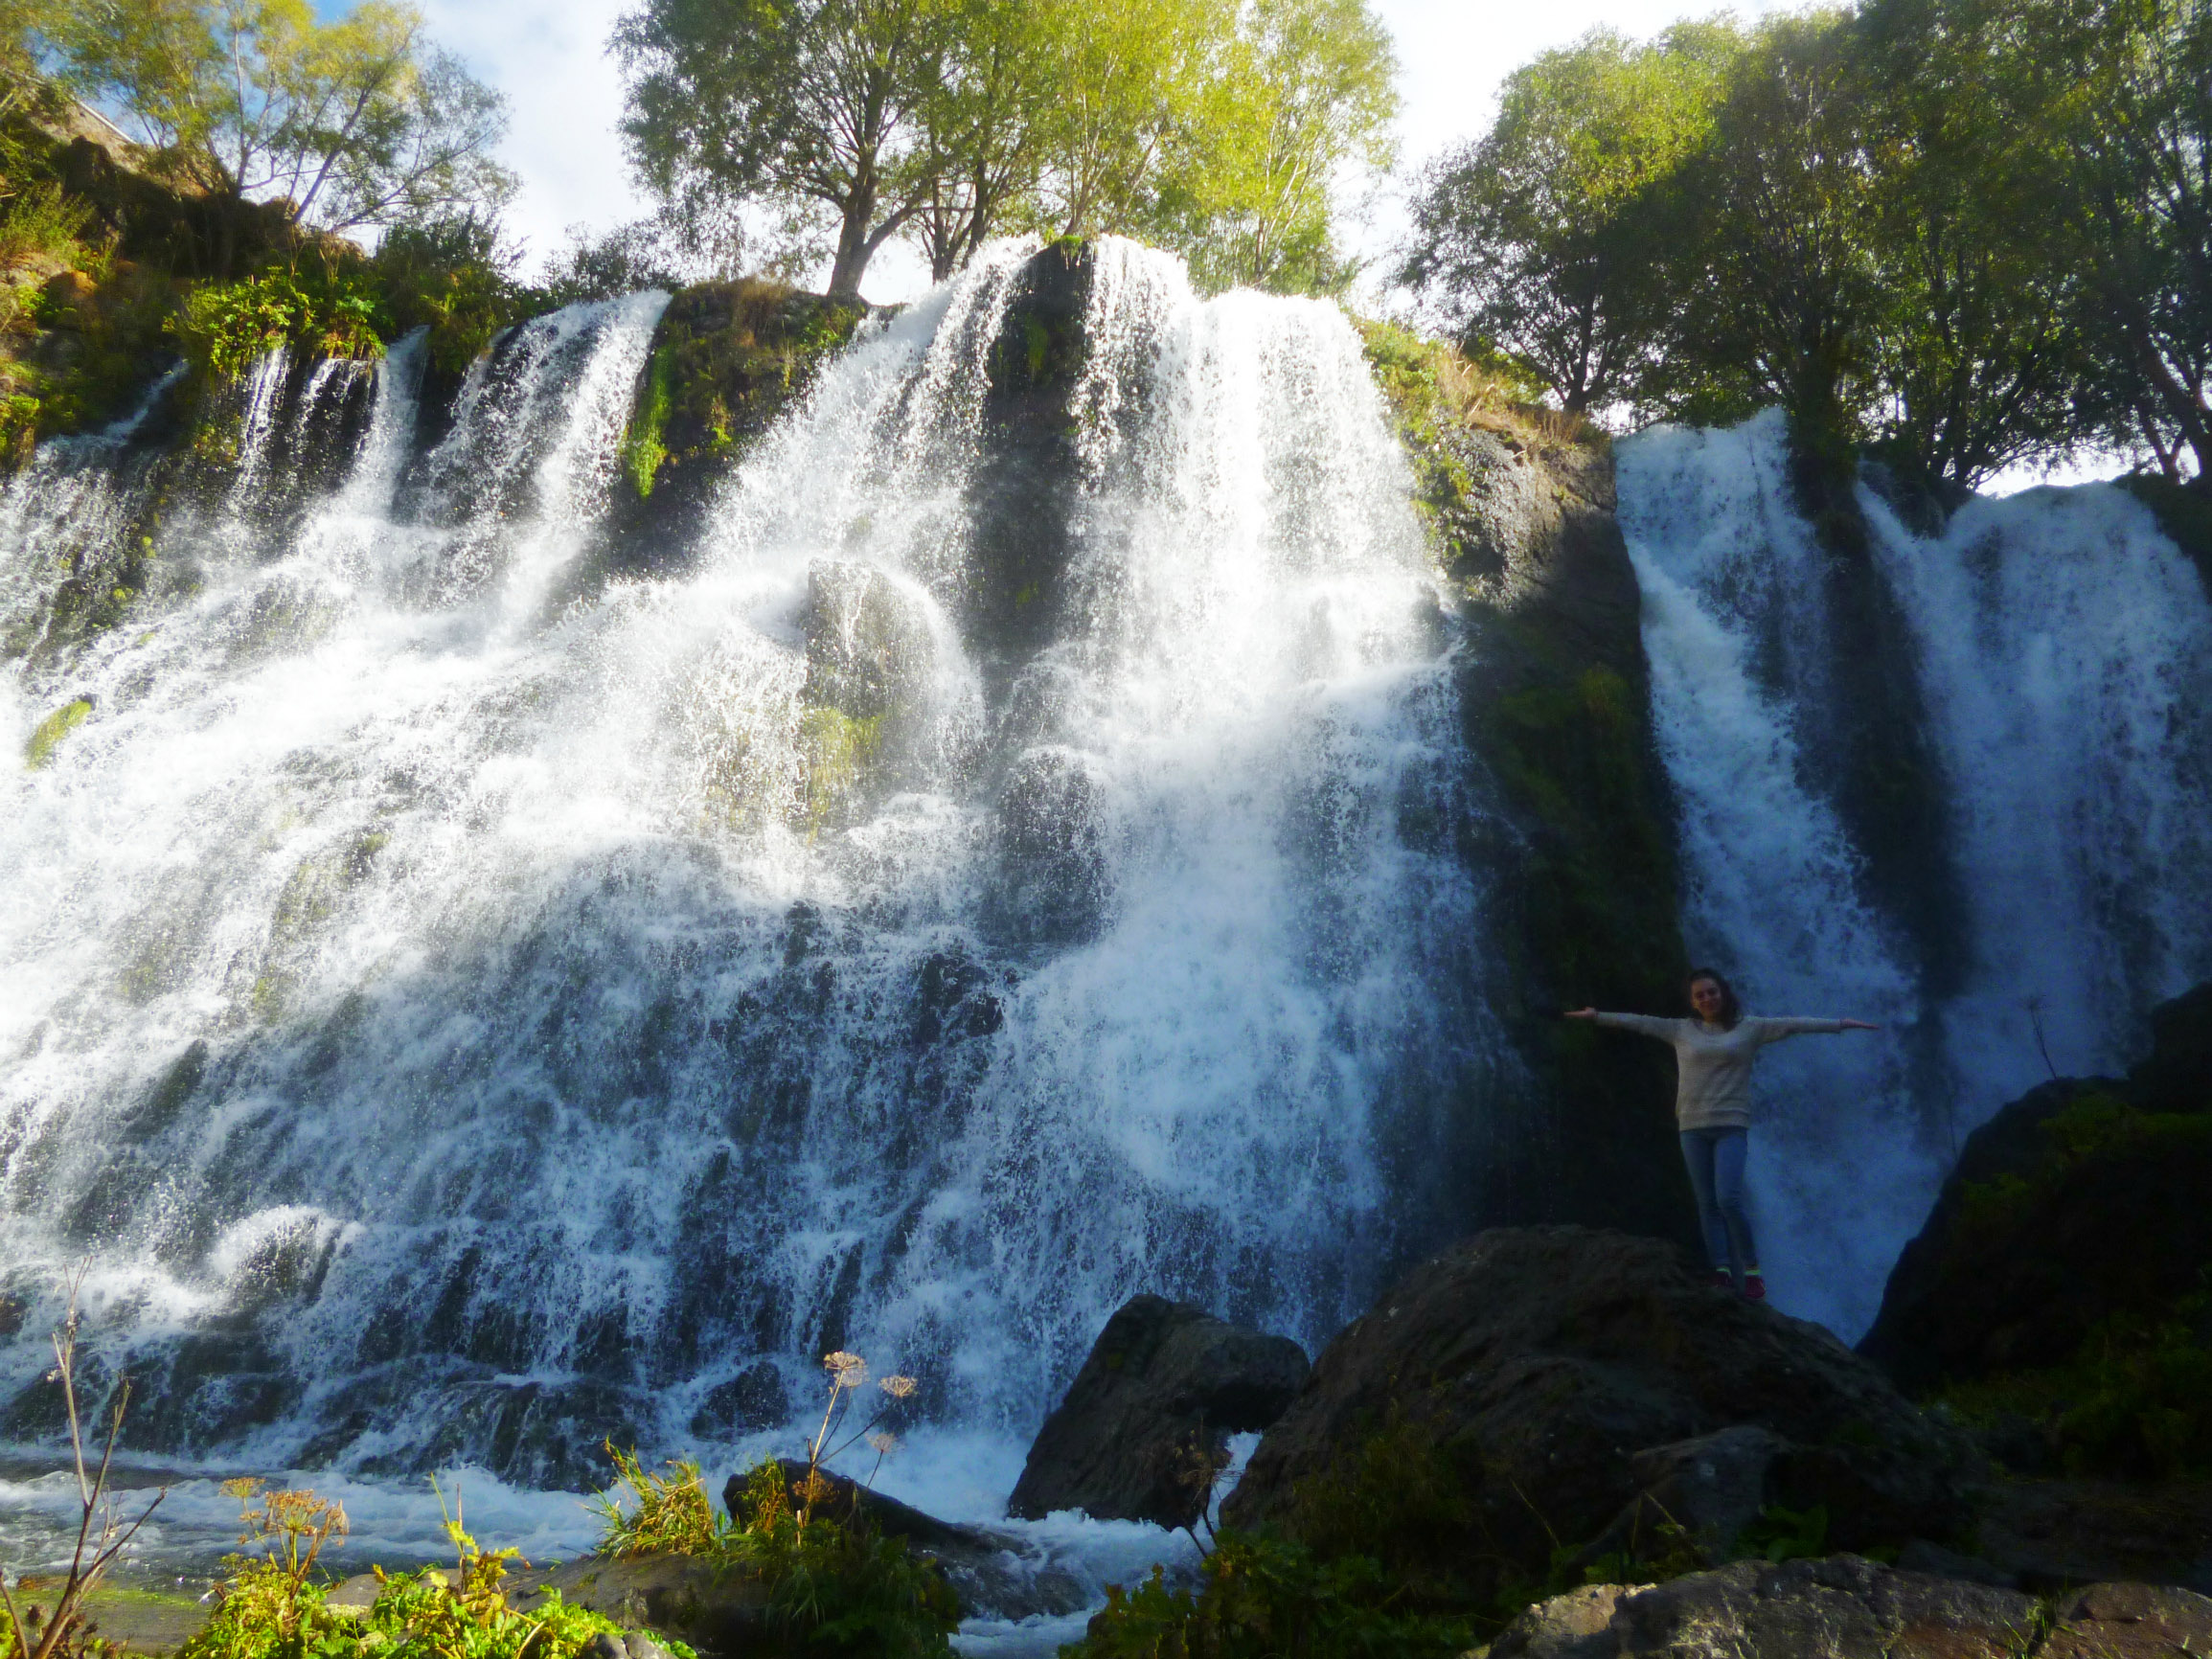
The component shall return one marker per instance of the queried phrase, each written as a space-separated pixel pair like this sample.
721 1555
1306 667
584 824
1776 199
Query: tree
807 105
1128 82
1308 88
1547 238
1976 351
2135 120
979 146
1789 281
359 121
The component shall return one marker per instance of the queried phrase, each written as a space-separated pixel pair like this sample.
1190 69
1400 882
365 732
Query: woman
1713 1055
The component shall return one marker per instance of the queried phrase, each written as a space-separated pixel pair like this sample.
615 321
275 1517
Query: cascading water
2064 650
461 1007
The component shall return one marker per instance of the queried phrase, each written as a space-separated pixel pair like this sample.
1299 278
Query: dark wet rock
2051 1535
699 1601
2080 1201
1923 1557
727 359
1535 1365
995 1574
1051 885
1022 494
1574 844
1164 1386
755 1398
1711 1487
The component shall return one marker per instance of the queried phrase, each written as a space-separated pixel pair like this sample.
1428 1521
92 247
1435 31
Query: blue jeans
1716 1161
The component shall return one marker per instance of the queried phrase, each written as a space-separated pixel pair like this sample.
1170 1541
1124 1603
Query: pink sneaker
1754 1288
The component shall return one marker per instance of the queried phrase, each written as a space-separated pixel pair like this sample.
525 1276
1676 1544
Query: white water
2065 650
461 1008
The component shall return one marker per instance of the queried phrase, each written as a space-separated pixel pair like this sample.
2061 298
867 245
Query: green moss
47 736
642 448
727 358
839 751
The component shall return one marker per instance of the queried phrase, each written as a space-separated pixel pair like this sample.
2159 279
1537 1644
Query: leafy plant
835 1583
334 312
1258 1598
668 1514
271 1607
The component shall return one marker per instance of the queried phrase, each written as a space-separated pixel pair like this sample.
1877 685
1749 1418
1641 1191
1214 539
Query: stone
1164 1386
1837 1606
353 1598
995 1574
1920 1555
2052 1535
1712 1488
1575 1625
2130 1622
2039 1236
697 1600
1535 1364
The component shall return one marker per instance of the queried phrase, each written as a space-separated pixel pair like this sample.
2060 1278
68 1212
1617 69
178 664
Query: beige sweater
1712 1066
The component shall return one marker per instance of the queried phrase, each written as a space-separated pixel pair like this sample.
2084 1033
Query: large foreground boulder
1149 1416
1843 1607
1536 1383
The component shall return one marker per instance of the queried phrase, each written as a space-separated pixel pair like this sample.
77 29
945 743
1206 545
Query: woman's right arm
1644 1024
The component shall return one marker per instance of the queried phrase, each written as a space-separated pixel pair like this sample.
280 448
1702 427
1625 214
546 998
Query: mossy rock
727 359
1580 856
48 735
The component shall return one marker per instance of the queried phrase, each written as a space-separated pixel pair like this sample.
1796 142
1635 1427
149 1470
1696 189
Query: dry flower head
849 1369
898 1387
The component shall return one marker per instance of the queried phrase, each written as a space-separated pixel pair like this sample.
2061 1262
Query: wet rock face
1843 1607
1150 1411
2080 1201
1554 1371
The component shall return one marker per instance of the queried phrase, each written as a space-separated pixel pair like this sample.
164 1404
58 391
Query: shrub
271 1608
836 1585
331 312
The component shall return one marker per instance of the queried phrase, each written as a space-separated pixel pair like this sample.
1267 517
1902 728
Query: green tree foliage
811 104
1309 86
1970 233
1788 273
358 122
1221 130
1545 237
2135 126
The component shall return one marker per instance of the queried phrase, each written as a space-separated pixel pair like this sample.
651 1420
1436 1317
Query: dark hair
1731 1011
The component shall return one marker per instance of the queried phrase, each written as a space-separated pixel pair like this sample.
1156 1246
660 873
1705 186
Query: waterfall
2063 649
462 1006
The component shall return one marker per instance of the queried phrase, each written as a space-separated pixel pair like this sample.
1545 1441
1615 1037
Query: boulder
697 1600
1837 1607
1149 1414
2080 1201
1845 1607
1530 1367
996 1574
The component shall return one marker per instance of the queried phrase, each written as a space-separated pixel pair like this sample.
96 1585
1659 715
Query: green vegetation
265 131
273 1606
46 736
836 1585
1962 233
1213 129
